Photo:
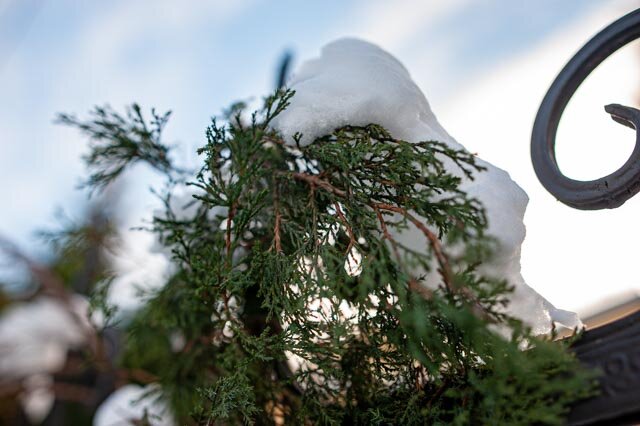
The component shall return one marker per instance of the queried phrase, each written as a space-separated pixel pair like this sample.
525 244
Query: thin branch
352 237
321 183
278 219
434 241
444 266
387 235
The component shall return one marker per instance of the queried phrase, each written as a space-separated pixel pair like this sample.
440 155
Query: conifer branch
120 141
374 346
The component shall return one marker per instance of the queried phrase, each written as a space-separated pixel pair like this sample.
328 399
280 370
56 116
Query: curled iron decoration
610 191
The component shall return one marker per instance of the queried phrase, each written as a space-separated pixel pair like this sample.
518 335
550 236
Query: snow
355 82
145 263
38 398
140 271
130 404
35 336
34 340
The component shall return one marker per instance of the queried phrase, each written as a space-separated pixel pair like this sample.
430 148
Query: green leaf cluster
293 301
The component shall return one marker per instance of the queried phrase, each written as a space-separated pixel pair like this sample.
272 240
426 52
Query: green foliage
121 140
294 301
80 248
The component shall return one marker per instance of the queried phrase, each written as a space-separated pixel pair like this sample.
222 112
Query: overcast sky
484 67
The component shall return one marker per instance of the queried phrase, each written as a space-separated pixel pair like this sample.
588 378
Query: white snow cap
355 82
130 404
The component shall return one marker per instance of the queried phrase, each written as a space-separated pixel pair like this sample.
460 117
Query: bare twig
352 237
276 226
387 235
443 262
319 182
434 241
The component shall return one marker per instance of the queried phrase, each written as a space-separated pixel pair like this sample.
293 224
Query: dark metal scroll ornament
614 349
610 191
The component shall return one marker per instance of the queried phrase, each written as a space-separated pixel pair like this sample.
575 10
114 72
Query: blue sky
197 57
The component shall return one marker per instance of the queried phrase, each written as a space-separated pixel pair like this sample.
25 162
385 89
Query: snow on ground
355 82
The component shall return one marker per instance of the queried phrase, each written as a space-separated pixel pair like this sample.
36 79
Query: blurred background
484 67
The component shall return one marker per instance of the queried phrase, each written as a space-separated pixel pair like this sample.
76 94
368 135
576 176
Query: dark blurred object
610 191
80 262
82 387
614 350
284 70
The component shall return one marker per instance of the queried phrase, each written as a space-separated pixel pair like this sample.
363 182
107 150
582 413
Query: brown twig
276 233
319 182
423 291
277 141
136 374
434 241
444 266
50 282
438 392
276 226
53 286
352 237
387 234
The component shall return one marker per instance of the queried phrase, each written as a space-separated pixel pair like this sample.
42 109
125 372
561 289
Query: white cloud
108 35
392 24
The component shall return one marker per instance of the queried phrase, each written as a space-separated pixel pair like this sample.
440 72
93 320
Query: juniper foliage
119 141
296 303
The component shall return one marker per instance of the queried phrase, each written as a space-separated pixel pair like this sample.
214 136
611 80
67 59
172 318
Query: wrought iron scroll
610 191
614 349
